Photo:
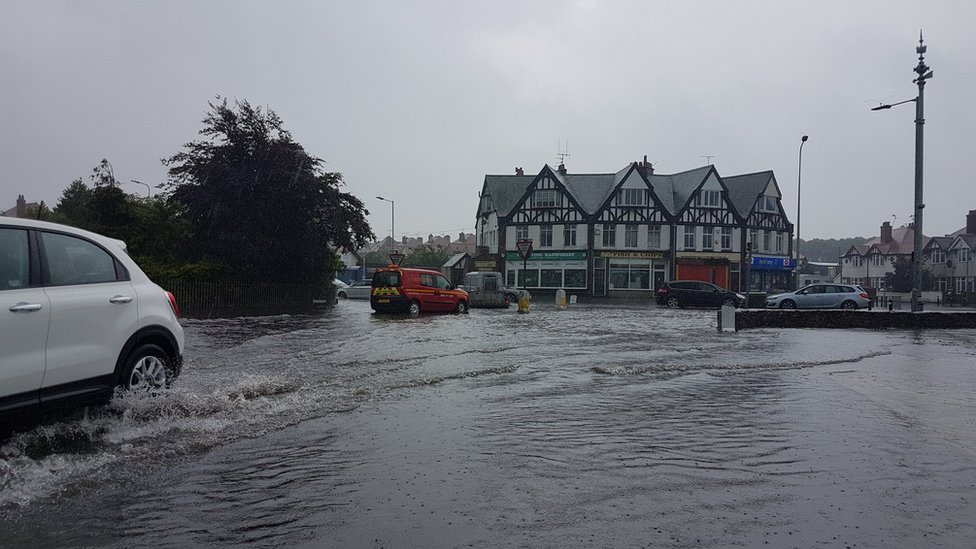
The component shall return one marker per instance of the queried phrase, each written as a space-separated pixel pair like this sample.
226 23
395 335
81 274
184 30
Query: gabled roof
745 189
941 242
902 242
591 190
969 240
506 190
681 185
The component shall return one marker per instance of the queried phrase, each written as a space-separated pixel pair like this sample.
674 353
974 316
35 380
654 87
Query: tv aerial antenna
708 158
562 152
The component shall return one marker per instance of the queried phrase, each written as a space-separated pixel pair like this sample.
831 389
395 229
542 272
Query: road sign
524 247
396 258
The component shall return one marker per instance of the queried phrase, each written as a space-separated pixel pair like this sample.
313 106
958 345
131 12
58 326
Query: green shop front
546 269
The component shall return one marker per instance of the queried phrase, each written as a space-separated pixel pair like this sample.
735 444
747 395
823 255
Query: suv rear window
386 279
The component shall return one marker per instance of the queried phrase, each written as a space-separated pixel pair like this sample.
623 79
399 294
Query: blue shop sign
760 263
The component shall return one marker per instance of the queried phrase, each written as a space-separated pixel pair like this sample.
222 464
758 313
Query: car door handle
120 299
25 307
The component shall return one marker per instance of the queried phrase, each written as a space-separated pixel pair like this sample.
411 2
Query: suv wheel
848 305
787 304
414 307
728 301
461 307
146 369
672 302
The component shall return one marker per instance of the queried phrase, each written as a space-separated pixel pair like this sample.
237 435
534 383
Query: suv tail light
172 304
662 291
865 295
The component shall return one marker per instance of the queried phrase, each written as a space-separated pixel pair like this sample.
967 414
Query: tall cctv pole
799 173
923 72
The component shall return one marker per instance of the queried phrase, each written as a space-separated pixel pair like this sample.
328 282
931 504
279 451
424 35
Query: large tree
259 203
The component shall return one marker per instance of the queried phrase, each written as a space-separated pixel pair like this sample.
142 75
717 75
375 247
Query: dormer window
768 204
544 198
709 199
938 256
631 197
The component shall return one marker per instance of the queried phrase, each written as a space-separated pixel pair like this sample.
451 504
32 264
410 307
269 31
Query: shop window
552 278
575 278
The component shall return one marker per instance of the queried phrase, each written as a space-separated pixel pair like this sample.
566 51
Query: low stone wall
776 318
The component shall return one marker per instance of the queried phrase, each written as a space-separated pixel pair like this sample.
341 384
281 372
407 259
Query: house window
779 243
938 256
877 260
858 260
726 238
630 197
963 254
630 236
545 236
708 237
544 198
609 235
654 236
569 235
765 241
754 239
521 232
768 204
689 238
709 199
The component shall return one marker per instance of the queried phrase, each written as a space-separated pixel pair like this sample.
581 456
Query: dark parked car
695 293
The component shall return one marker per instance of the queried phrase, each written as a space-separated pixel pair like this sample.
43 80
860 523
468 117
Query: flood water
598 426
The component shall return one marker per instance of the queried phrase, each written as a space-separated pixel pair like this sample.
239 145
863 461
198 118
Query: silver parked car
360 289
821 296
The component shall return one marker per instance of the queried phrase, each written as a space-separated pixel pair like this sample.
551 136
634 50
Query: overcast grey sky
417 101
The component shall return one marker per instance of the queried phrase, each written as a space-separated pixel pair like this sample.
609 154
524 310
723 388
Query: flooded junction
596 426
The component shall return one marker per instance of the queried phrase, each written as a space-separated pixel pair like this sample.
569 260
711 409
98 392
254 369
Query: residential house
626 233
20 209
869 264
950 258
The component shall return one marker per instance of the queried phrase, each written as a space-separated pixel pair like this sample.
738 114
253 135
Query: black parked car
694 293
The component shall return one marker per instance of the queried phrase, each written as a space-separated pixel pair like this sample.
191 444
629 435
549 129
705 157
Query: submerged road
592 427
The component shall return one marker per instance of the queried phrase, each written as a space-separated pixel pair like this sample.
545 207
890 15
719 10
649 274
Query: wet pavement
599 426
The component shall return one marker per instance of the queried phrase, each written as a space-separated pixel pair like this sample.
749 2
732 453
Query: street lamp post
799 172
148 188
392 221
923 72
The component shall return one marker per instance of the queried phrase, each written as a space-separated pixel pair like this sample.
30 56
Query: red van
406 290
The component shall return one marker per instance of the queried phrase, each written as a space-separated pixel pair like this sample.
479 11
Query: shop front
770 274
625 273
719 269
547 270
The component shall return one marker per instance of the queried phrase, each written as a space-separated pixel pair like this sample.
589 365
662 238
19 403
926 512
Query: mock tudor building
626 233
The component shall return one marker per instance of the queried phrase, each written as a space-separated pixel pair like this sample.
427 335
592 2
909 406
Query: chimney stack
21 206
518 170
886 232
971 222
562 168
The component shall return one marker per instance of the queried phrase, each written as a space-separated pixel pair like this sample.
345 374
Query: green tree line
245 202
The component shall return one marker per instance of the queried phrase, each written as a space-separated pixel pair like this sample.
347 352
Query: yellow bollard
561 299
523 302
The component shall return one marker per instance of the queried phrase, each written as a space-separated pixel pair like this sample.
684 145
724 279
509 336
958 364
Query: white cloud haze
417 101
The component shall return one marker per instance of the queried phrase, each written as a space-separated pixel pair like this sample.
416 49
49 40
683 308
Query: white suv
79 318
